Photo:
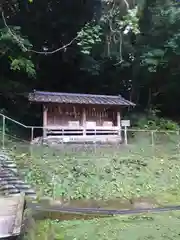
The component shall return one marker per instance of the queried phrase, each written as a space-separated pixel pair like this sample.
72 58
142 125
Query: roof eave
32 98
44 101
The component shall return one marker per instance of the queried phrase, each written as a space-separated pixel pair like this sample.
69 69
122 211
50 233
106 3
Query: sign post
125 124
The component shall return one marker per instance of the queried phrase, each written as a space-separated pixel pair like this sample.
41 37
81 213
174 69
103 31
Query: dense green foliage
128 47
106 46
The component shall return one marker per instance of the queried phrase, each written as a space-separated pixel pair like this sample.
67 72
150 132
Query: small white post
152 138
31 150
119 122
125 124
45 110
32 134
3 131
63 136
178 145
125 135
152 144
95 139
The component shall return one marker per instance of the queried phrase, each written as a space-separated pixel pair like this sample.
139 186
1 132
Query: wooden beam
45 109
84 121
119 122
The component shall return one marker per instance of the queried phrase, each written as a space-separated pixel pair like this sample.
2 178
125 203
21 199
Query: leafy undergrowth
136 227
105 172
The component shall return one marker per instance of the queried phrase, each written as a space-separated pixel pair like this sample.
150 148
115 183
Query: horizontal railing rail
81 128
130 130
12 120
94 132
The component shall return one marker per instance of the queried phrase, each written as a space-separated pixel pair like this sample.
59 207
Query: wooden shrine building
81 116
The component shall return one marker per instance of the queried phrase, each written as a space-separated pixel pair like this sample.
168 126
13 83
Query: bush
152 121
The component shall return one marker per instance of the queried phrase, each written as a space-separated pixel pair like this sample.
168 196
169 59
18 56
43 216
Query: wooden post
152 138
3 131
32 134
119 123
125 135
45 109
84 121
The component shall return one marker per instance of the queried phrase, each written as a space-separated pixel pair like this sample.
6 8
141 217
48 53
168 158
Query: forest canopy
128 47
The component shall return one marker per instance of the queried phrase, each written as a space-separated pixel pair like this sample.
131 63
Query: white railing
4 118
58 129
81 130
151 134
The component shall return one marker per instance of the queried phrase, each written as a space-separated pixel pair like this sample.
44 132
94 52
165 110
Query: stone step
10 182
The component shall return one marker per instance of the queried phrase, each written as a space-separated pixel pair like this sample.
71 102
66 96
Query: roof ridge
74 94
78 98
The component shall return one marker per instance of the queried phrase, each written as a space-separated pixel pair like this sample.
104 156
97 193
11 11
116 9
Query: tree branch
127 4
15 37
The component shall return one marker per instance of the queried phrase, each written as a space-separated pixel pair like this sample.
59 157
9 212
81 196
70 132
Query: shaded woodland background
119 47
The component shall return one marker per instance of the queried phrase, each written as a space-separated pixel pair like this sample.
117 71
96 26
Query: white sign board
125 123
90 124
74 124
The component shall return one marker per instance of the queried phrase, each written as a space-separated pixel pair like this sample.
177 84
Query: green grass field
137 227
107 173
